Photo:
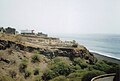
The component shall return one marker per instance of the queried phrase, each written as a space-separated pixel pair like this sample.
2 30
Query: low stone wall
102 77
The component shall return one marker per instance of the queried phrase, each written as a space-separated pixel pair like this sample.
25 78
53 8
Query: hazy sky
62 16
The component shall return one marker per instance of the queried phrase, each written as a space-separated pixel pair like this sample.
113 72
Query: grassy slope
18 57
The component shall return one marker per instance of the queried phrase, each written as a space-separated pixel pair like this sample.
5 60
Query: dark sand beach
103 57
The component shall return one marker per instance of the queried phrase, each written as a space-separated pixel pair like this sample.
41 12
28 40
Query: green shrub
25 61
102 66
27 74
56 60
80 62
36 52
61 68
38 78
22 67
74 76
60 78
49 75
110 63
90 67
77 61
58 68
113 69
90 74
36 71
74 68
35 58
84 65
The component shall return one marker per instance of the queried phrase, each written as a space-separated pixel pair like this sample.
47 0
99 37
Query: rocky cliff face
71 52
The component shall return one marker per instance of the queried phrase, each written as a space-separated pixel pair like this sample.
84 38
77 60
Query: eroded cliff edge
20 43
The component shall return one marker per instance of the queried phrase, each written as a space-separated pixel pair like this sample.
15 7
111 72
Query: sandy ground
102 57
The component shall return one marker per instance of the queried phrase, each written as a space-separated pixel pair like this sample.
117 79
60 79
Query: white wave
105 54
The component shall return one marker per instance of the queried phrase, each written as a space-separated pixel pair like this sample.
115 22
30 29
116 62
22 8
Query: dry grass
16 58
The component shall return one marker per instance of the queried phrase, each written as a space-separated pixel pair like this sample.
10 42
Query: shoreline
107 58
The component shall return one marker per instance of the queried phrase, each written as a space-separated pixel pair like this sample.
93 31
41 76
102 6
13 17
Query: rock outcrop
53 52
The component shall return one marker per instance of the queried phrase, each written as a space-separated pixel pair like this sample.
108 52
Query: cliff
20 58
50 51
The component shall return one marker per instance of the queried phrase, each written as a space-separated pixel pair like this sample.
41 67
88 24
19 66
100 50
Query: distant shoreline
103 57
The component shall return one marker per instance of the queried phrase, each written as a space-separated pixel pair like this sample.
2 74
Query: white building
27 32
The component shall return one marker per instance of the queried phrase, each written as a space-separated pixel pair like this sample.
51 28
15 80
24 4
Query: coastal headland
29 56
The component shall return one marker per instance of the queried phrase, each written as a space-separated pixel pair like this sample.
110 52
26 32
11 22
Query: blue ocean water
108 45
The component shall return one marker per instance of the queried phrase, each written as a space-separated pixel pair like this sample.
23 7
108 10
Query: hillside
34 58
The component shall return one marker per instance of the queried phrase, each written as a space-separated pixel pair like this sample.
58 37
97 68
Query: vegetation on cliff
20 62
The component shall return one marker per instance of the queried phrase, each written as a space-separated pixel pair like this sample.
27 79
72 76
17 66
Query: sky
62 16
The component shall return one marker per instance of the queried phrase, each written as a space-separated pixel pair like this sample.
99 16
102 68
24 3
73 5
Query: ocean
108 45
